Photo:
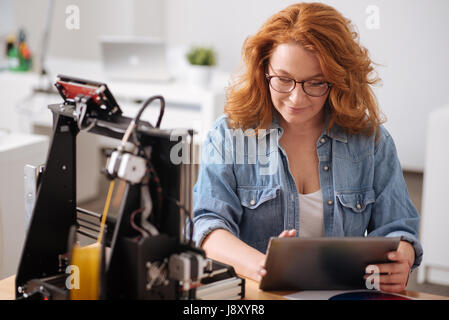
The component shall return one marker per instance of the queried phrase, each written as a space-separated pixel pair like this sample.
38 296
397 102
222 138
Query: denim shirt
364 192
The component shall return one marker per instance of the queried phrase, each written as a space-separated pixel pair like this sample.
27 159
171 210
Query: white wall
6 16
221 24
97 18
411 44
6 26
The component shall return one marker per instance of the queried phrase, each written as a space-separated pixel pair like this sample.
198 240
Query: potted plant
201 60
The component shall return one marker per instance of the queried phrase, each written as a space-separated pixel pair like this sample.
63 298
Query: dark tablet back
323 263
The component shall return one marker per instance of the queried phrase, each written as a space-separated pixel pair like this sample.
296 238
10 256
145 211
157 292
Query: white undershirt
311 223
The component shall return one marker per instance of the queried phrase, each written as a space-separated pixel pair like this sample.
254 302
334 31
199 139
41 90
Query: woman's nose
298 95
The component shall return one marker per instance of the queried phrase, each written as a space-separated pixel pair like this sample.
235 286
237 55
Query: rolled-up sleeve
215 202
393 215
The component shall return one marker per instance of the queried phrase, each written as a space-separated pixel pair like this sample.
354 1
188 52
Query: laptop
323 263
135 59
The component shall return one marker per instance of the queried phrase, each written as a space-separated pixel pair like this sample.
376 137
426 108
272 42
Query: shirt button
322 140
326 168
252 202
330 202
358 206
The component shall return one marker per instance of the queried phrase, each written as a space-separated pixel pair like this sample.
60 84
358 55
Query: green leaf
201 56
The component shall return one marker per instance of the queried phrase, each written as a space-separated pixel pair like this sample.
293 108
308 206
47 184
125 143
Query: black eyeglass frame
329 85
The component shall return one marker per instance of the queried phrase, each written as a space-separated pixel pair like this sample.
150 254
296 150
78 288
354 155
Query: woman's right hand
284 234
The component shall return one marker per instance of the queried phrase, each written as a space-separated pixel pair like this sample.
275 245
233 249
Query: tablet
323 263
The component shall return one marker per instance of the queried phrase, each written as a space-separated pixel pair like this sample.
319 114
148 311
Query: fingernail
391 256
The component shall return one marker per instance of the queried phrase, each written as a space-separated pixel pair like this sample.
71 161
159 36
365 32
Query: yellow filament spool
88 260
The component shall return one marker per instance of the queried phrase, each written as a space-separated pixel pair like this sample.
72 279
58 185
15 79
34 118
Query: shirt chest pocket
254 197
355 209
261 217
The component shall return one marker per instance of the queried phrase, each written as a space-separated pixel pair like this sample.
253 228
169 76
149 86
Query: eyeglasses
313 88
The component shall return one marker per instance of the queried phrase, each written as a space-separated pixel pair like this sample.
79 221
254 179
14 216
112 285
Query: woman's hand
393 276
284 234
288 233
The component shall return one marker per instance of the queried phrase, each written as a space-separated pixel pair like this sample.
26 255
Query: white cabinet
16 151
435 212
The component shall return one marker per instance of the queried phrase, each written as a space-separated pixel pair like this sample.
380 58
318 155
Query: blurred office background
407 38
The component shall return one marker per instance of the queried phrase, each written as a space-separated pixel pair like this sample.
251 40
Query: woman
305 96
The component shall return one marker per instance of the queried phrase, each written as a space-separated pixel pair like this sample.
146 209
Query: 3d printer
145 252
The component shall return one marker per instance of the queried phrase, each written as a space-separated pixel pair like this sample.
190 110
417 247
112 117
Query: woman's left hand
393 276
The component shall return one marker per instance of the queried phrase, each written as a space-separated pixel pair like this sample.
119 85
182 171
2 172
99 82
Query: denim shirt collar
336 132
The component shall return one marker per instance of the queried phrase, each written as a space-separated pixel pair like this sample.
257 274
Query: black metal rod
86 234
90 213
109 220
88 228
89 222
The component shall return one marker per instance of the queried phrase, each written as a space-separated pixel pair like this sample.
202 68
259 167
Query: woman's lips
296 110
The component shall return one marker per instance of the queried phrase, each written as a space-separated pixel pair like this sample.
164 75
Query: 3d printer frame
126 269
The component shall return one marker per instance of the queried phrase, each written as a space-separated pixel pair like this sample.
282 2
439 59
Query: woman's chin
299 116
295 118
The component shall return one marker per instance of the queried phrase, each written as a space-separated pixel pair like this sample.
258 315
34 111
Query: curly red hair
344 63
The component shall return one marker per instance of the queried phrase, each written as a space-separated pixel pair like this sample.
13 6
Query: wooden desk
254 293
7 286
